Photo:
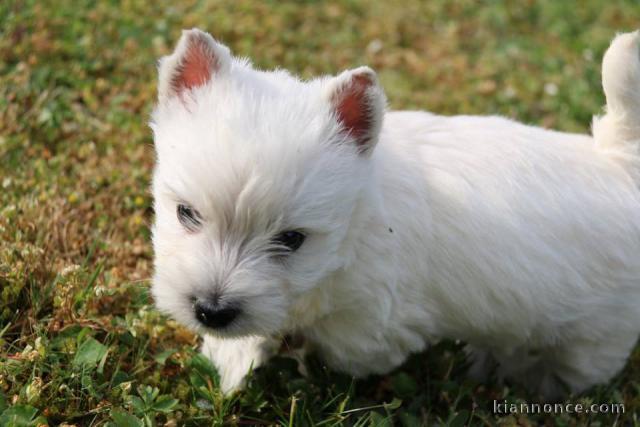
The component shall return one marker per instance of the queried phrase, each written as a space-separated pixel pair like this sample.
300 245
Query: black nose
214 315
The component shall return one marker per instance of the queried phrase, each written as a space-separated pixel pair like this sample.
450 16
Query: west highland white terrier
290 206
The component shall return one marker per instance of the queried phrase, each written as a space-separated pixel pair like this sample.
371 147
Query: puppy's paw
236 358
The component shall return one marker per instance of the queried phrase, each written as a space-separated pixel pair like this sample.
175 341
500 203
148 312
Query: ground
80 341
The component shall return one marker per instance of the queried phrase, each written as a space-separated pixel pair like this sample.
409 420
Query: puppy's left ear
358 103
194 63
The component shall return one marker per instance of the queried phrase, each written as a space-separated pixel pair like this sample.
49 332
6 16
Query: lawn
80 340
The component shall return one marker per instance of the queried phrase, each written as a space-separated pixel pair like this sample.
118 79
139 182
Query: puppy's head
255 184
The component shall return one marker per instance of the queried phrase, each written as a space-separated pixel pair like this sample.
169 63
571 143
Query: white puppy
285 206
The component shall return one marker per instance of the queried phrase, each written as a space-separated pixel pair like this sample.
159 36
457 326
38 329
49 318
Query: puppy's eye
291 240
189 217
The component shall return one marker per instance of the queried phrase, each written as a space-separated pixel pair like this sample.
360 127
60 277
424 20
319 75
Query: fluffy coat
522 242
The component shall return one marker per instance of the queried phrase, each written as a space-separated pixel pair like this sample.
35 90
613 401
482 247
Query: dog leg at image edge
235 358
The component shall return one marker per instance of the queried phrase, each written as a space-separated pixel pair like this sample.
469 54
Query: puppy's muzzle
214 315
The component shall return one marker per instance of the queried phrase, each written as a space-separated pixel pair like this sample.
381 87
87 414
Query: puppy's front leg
234 358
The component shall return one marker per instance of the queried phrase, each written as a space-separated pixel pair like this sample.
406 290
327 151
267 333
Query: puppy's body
516 238
520 241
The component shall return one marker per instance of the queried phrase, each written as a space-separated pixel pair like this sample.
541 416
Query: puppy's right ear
194 62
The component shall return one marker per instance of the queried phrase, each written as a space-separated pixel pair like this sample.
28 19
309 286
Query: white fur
521 241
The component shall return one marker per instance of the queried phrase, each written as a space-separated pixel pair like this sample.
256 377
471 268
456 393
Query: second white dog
303 206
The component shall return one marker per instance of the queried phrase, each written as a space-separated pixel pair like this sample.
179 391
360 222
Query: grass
80 341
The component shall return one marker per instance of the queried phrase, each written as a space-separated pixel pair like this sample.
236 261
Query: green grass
80 342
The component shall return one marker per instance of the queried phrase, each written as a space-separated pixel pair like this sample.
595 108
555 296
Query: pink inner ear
196 68
352 109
